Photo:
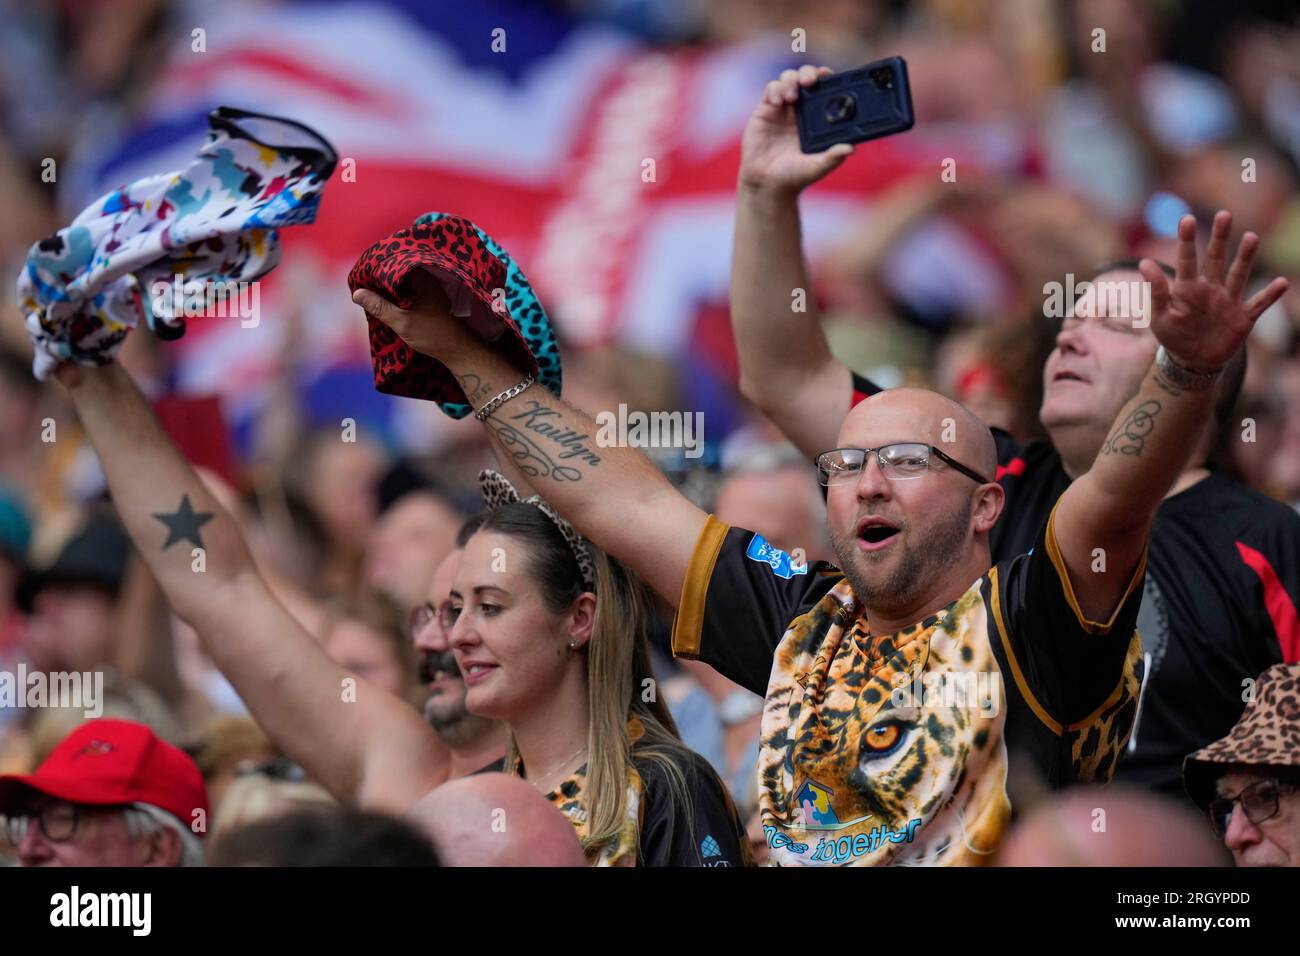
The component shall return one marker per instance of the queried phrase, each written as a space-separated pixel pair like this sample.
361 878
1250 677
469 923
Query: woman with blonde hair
551 636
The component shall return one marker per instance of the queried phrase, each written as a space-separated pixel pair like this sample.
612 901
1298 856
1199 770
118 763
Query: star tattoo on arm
184 523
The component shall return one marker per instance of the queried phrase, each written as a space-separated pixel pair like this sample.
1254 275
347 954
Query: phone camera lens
883 78
840 108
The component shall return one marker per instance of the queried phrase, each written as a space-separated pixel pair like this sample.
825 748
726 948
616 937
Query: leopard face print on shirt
843 766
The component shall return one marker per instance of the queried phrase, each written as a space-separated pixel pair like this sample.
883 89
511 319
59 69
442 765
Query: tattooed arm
614 496
374 749
1201 322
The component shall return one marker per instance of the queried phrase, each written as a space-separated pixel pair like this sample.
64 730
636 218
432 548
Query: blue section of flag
532 32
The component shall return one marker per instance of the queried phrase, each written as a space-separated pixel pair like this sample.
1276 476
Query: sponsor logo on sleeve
782 565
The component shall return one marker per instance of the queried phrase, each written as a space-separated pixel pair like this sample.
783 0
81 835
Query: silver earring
573 645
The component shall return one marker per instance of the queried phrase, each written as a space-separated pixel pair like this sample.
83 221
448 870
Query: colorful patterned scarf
212 224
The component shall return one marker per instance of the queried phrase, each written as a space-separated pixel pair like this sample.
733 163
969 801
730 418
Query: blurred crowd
1078 160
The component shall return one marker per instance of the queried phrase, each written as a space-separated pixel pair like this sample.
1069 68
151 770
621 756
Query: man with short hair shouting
1219 600
899 687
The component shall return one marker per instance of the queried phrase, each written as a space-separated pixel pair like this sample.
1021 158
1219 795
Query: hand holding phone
770 157
852 107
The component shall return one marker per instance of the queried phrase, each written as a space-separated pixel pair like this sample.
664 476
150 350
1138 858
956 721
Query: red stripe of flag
198 71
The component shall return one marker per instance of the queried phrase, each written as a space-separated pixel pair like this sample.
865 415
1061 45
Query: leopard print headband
498 491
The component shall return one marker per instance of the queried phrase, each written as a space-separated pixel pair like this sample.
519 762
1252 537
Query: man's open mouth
874 533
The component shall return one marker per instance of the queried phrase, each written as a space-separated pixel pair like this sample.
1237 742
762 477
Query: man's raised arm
367 747
786 367
613 496
1201 323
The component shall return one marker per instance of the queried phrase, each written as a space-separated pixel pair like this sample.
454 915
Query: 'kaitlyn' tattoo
1133 431
184 524
537 419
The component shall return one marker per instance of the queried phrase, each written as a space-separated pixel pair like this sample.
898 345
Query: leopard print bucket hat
1267 737
486 289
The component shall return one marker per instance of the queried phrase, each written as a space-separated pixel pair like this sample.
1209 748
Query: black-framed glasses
1259 801
898 462
58 821
422 615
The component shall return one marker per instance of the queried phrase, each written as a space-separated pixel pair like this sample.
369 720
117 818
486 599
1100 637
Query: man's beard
919 564
453 723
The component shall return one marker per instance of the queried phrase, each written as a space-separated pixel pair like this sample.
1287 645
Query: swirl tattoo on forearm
1133 431
528 456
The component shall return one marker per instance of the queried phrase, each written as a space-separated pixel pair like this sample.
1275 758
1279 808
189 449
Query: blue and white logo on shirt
782 565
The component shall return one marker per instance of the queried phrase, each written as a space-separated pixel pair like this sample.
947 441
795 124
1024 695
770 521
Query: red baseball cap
109 762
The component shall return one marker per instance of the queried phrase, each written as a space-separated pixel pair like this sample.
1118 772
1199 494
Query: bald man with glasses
901 685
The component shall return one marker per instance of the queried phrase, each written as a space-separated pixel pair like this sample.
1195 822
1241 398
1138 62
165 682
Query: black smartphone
867 103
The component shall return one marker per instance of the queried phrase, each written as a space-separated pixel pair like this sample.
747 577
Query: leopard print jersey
567 798
849 776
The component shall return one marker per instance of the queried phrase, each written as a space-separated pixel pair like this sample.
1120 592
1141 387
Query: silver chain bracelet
483 413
